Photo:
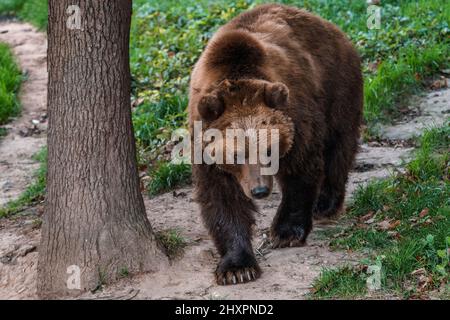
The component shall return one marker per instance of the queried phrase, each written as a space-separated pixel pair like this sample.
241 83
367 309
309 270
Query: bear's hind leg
339 156
331 200
228 216
293 221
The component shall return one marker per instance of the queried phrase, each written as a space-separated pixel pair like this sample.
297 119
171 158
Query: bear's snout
260 192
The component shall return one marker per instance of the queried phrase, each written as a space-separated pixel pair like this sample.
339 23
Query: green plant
10 80
34 192
123 272
154 122
168 176
3 132
34 11
172 241
343 282
102 281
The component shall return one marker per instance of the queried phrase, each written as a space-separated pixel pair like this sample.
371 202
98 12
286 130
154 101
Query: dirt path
287 273
26 135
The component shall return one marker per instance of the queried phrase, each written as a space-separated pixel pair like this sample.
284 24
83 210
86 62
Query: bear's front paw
289 236
235 270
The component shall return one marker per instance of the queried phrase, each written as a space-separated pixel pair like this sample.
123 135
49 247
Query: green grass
34 192
10 80
153 124
172 241
124 272
3 132
33 11
345 283
168 176
416 206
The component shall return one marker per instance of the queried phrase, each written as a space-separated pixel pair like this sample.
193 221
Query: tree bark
95 217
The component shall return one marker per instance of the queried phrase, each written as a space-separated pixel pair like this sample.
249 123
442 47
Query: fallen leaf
137 102
367 216
373 66
439 84
420 271
371 220
424 212
384 225
395 224
394 234
424 282
388 225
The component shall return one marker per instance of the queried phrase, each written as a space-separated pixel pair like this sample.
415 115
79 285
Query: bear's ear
228 88
211 107
276 94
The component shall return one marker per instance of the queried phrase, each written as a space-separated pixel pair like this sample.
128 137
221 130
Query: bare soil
287 273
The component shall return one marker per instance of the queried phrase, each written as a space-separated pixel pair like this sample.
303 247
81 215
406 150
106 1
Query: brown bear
278 67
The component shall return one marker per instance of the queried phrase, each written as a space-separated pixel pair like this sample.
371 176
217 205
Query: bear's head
254 131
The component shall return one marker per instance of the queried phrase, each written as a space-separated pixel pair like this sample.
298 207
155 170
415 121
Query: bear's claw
290 237
237 276
289 242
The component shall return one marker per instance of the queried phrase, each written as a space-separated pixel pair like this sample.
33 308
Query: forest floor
287 273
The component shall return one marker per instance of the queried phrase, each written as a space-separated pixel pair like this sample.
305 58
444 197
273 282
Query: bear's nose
260 192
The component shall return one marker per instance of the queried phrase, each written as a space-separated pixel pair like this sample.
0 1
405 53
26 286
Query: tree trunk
95 220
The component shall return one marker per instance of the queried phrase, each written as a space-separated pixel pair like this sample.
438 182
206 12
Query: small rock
7 186
25 132
43 117
180 194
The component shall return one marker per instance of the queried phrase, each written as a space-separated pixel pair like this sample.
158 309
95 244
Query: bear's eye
264 122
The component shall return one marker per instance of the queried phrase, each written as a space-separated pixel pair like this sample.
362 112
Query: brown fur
283 65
